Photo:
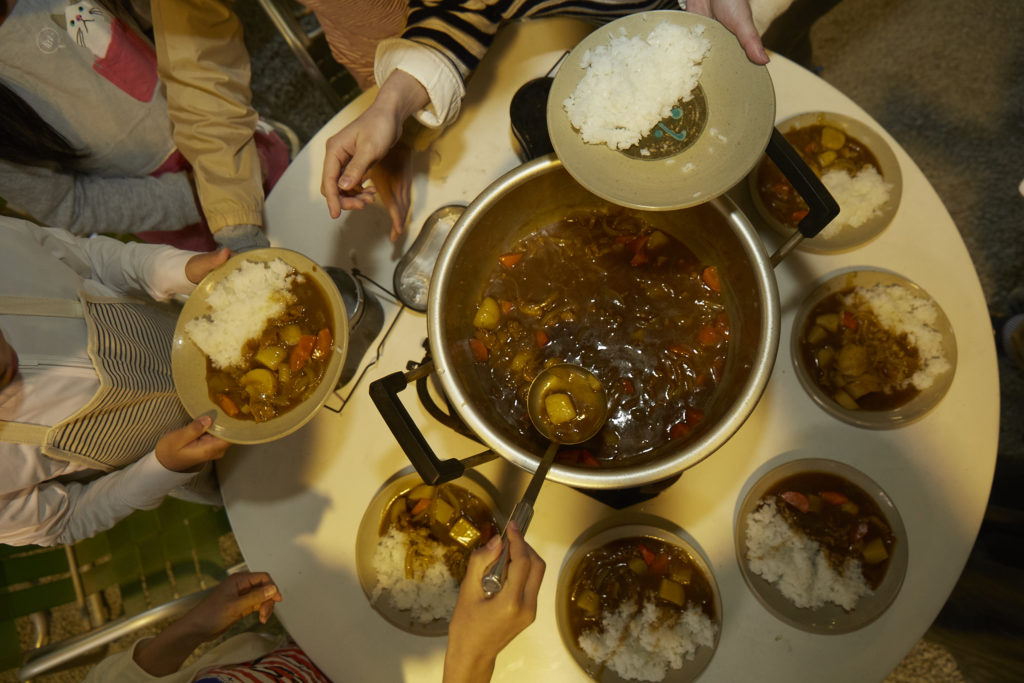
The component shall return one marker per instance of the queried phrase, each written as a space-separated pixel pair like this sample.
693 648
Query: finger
483 557
531 589
206 447
222 255
248 581
356 169
743 28
755 50
519 556
329 182
397 219
179 438
701 7
255 600
355 203
266 609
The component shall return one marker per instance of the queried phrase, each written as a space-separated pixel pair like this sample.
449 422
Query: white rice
427 597
899 311
240 306
630 84
860 197
798 566
640 647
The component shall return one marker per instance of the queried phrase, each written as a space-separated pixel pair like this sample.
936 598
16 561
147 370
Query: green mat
153 556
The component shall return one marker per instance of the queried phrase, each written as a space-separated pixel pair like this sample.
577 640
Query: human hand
186 449
481 626
358 146
235 597
200 265
392 180
734 15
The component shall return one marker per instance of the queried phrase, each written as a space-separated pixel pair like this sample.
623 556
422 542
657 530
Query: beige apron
136 404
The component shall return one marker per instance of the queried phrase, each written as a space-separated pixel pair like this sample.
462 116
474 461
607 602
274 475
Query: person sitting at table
423 73
91 428
106 130
480 628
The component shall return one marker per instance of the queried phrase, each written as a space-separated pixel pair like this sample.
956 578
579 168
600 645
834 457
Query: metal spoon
567 404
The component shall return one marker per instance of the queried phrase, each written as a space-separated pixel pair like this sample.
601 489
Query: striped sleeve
463 30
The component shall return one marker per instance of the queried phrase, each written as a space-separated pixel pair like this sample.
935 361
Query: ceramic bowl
630 525
188 363
727 135
830 618
915 408
848 237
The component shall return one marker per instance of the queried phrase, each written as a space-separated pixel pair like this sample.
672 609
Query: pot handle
822 205
384 393
528 113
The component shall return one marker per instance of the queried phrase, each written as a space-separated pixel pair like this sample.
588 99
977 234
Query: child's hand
482 626
352 152
188 448
235 597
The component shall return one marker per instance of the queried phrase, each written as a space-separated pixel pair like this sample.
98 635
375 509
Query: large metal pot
528 198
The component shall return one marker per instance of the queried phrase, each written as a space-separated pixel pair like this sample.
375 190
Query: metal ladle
567 405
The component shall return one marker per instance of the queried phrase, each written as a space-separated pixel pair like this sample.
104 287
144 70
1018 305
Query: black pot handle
528 112
823 206
384 393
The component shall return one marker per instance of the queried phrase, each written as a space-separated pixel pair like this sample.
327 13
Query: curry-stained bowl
368 536
914 409
736 101
829 619
888 167
630 525
188 363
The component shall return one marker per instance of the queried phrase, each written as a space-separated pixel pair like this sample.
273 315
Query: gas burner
370 319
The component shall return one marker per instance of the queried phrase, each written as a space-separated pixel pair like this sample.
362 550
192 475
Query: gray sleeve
84 204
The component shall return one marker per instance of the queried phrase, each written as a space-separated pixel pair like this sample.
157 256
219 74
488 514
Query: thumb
190 432
356 169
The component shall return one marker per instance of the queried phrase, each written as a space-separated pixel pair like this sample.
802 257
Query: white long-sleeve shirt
43 500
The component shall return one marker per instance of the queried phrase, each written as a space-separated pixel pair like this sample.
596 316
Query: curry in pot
634 305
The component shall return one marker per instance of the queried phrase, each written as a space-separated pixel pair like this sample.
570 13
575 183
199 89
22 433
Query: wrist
402 94
167 651
466 667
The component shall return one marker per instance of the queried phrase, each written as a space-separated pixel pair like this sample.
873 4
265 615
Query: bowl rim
850 238
186 358
367 535
741 114
627 525
912 411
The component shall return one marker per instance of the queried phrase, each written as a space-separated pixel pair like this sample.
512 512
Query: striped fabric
463 30
283 664
136 403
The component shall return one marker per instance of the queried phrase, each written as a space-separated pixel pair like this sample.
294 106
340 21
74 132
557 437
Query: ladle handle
493 580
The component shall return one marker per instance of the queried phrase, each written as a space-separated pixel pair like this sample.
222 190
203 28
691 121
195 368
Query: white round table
295 504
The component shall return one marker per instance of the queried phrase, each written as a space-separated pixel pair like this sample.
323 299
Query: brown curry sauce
634 305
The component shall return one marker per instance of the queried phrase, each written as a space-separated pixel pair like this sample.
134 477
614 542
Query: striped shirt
283 664
463 31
